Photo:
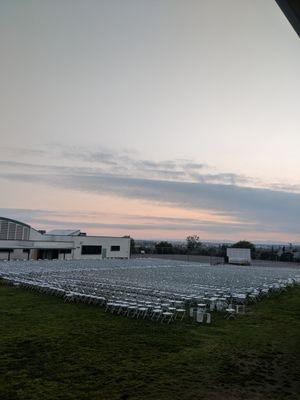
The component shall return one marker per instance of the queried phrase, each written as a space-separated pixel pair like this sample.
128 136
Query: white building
21 241
239 256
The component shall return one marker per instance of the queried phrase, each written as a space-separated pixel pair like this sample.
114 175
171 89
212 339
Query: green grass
53 350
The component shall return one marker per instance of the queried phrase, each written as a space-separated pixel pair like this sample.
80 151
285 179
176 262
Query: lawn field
54 350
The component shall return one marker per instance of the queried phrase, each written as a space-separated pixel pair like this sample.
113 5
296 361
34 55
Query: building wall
75 243
238 256
20 241
35 235
16 254
105 243
13 230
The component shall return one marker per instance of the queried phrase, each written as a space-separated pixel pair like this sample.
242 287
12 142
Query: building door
53 254
103 253
40 254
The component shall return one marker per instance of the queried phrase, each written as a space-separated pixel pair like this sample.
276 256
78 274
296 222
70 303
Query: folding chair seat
156 313
178 303
81 297
221 304
201 307
60 292
100 300
91 299
212 303
230 313
206 300
123 308
167 316
109 306
131 310
253 297
141 312
69 297
180 313
165 306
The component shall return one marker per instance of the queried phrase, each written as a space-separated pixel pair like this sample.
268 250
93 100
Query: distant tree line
193 246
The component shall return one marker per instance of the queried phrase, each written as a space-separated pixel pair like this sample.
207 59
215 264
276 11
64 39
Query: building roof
291 9
64 232
15 221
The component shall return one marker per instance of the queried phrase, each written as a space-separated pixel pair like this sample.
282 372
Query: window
5 250
89 250
114 248
12 231
25 233
3 230
19 232
66 251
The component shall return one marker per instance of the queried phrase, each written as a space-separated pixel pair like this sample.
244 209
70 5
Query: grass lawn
53 350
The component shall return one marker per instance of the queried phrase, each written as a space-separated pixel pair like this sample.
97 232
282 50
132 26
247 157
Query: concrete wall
35 235
66 242
105 242
16 254
184 257
238 256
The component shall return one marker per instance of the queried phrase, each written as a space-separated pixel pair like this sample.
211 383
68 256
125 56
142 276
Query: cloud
100 157
115 165
222 178
181 183
102 160
24 152
267 209
52 218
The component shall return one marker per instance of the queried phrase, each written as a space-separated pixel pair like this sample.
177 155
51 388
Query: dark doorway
47 254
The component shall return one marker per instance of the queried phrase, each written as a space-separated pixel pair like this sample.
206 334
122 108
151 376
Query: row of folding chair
139 310
141 302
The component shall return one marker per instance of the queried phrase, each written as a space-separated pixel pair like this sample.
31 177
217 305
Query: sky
153 118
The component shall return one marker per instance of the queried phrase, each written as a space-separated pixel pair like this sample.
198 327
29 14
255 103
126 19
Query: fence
184 257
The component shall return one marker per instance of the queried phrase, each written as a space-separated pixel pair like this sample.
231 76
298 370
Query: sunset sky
154 118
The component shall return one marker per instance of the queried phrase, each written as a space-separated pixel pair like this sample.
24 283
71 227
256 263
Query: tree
193 243
164 248
132 246
287 257
222 250
244 244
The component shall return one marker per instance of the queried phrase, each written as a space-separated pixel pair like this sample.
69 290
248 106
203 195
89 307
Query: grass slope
52 350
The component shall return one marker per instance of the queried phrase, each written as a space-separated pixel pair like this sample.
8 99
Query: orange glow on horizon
75 209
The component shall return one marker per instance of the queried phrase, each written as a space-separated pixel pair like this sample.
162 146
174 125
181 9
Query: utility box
239 256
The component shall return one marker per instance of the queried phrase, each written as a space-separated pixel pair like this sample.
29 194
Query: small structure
239 256
22 242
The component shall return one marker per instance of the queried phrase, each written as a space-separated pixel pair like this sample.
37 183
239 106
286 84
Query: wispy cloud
85 161
103 160
65 159
130 223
